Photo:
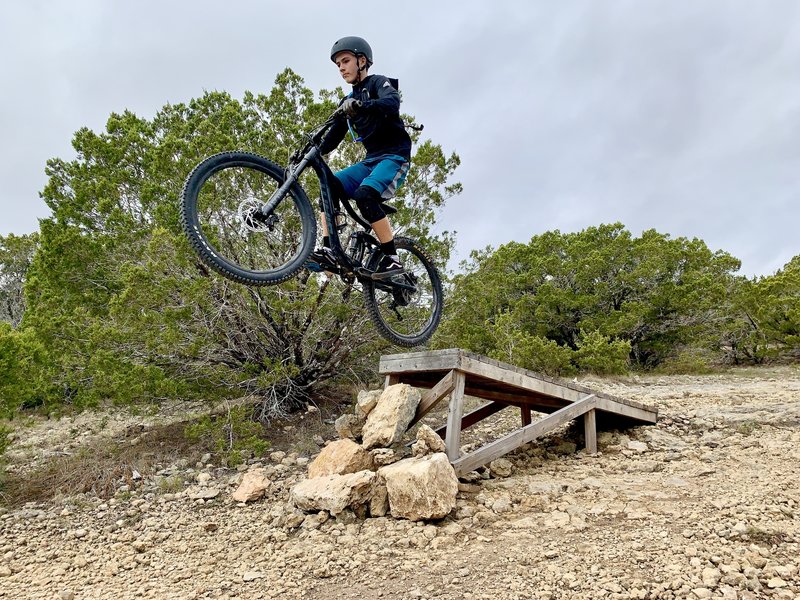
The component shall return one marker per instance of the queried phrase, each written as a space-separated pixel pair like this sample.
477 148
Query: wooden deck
456 373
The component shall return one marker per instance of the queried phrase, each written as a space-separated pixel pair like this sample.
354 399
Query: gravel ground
705 504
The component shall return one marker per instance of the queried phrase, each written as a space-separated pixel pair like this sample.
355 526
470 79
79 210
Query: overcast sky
677 115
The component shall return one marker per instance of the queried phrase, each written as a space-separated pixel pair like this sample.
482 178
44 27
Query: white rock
711 577
349 426
333 493
638 446
366 401
341 457
390 418
384 456
502 505
431 439
421 488
776 582
254 485
202 493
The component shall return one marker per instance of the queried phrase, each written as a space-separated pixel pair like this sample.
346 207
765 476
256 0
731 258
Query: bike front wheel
218 205
406 316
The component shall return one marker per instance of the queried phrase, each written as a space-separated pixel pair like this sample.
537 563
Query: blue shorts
384 174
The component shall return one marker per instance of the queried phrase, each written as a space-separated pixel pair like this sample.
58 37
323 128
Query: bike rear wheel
406 317
217 206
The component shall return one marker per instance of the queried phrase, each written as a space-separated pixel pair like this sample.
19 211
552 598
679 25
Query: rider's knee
368 200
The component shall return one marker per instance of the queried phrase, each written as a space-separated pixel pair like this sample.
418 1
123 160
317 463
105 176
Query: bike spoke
224 202
409 315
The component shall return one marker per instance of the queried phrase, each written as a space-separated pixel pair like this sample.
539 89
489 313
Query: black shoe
321 260
390 266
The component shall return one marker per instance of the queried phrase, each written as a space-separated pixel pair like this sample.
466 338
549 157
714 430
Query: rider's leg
381 184
323 259
339 192
368 200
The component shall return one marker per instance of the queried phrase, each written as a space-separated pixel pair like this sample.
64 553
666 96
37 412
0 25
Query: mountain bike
250 220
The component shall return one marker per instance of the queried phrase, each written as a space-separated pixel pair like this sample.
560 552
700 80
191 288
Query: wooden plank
521 436
520 380
481 366
475 416
512 396
618 408
452 440
391 380
438 360
590 431
431 397
559 382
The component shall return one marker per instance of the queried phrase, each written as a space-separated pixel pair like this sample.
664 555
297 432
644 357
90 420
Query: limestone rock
366 401
254 485
502 467
202 493
379 499
333 493
428 442
349 426
390 418
339 458
421 488
638 446
384 456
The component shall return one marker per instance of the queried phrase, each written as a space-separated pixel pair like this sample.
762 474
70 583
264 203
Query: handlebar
314 138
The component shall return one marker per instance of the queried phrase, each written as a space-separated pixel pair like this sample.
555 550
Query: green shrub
514 345
22 366
600 354
688 361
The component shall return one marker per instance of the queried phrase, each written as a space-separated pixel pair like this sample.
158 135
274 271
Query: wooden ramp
456 372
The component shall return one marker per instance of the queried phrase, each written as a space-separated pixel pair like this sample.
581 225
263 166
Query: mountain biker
371 113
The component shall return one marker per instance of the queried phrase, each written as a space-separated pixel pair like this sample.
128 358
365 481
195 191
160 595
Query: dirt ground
705 504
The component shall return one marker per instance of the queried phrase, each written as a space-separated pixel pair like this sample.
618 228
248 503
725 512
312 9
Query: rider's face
348 66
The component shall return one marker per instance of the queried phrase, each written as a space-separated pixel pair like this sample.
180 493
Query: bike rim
226 199
420 314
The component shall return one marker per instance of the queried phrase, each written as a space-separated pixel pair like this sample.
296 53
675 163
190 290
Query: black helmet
356 45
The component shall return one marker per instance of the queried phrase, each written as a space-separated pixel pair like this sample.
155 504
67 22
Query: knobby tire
229 266
375 299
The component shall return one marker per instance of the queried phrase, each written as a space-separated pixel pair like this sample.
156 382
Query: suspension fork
270 205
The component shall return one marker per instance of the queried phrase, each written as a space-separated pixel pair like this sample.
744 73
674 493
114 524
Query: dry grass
101 466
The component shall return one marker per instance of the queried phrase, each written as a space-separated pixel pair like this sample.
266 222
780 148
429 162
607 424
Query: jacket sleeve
388 98
334 137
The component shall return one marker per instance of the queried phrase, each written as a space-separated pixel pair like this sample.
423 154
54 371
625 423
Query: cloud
678 116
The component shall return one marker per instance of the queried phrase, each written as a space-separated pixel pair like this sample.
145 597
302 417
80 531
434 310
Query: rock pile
365 473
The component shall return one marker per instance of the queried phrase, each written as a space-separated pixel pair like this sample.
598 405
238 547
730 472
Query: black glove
350 106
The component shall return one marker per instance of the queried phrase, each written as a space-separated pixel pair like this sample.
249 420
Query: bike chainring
404 296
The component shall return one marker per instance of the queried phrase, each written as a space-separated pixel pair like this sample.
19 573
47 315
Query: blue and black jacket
377 123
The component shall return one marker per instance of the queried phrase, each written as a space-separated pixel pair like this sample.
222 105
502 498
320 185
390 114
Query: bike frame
311 156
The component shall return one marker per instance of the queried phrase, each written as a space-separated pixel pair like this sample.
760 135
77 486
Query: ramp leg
452 439
590 431
526 415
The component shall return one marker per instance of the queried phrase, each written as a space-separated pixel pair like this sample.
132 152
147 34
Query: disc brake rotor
252 219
